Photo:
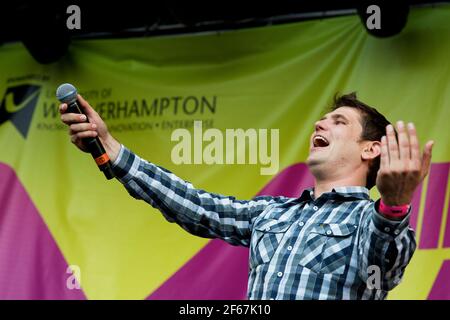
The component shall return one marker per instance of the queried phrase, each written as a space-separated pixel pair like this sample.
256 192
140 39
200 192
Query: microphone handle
94 146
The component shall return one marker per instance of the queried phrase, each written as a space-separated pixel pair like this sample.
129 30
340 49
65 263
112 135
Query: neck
326 185
331 175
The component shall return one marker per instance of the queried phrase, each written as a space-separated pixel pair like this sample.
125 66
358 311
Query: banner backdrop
57 210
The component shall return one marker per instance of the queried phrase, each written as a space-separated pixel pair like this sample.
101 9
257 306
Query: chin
316 157
314 161
318 163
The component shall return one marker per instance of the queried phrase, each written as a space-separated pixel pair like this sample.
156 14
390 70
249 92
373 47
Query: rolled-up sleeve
199 212
386 245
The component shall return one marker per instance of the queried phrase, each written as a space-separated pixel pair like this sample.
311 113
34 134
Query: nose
320 125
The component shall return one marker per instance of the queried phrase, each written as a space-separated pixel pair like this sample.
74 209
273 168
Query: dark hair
373 127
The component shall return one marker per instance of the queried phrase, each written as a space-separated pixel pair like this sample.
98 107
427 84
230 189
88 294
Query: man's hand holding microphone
87 130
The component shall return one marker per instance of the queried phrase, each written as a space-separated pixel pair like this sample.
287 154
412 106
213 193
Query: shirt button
268 229
396 232
328 232
301 223
315 208
289 248
387 229
280 274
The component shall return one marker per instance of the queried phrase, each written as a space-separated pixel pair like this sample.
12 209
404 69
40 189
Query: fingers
80 131
392 144
75 138
384 161
426 158
414 145
62 108
69 118
80 127
87 109
403 142
405 156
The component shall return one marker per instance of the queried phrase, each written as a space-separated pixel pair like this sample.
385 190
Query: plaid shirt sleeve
199 212
384 244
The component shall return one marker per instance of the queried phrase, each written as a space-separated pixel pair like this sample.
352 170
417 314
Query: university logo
18 105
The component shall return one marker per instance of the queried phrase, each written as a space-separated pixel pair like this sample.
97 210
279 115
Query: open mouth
320 141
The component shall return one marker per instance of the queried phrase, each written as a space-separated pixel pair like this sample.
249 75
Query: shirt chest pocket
328 248
267 236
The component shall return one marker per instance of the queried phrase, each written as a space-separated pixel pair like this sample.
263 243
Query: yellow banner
273 78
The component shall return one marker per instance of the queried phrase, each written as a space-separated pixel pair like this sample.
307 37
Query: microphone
67 93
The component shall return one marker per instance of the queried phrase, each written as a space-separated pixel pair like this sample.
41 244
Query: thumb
426 158
85 106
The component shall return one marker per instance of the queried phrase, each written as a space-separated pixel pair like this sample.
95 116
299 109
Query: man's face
335 142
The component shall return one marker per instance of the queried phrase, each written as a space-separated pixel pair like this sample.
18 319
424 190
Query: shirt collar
357 192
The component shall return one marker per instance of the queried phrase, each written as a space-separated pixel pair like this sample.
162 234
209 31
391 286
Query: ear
371 150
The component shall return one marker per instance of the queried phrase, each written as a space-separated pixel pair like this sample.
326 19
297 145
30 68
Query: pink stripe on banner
290 182
447 228
220 271
31 264
441 286
434 206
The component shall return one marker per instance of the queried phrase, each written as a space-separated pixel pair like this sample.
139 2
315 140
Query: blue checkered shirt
334 247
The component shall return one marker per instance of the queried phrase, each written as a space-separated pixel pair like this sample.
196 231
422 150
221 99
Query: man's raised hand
402 167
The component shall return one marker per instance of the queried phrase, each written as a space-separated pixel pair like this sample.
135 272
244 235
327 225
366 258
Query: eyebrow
336 116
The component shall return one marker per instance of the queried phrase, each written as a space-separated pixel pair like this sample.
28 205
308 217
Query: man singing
332 242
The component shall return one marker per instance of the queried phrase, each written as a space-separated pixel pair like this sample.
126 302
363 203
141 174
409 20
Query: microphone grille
66 93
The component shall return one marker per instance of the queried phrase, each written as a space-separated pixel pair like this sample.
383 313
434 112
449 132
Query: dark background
41 25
